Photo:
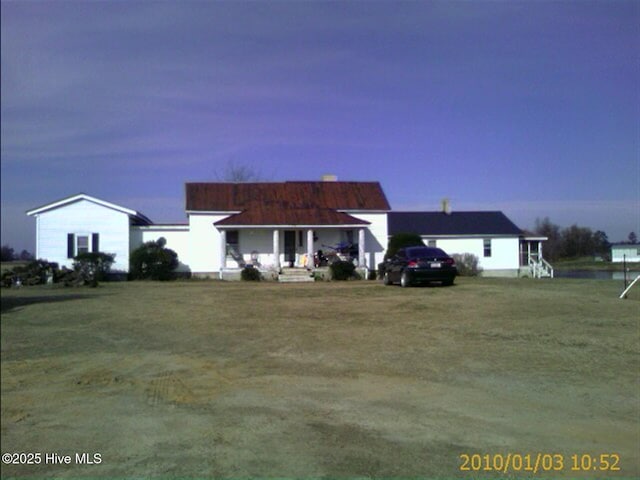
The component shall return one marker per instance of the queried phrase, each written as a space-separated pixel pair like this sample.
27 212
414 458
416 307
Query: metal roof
238 197
291 216
454 223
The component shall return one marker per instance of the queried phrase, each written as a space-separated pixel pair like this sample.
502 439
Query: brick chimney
446 206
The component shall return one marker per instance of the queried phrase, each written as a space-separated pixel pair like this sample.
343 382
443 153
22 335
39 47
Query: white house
82 223
276 224
501 247
625 252
266 224
271 225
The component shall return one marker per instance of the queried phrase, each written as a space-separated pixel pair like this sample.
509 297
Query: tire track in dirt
169 388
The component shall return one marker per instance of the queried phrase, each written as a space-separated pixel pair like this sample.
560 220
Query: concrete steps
295 275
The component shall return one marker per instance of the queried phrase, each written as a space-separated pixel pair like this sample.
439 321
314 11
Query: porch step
295 275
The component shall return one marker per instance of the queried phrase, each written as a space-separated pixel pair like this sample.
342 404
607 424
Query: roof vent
446 206
329 178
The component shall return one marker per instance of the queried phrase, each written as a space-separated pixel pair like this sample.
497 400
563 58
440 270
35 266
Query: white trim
81 196
37 237
77 237
453 236
213 212
145 228
295 227
362 211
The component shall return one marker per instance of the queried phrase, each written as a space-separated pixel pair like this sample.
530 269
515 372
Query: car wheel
405 281
447 283
385 279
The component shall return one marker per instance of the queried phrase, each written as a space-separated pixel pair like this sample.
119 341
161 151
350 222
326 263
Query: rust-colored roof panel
224 197
290 216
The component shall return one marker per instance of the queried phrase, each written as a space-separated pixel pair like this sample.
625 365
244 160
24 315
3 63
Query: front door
290 247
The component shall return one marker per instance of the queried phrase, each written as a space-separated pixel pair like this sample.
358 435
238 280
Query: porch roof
264 216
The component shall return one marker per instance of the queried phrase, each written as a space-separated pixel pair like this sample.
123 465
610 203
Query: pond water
594 275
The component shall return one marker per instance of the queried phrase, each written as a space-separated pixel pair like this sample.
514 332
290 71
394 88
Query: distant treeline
8 254
574 241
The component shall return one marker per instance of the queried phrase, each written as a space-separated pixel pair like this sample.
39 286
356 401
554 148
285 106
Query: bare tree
240 173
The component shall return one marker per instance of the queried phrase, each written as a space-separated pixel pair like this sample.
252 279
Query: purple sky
532 108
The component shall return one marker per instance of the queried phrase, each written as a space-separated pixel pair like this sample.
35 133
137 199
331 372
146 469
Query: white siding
204 243
376 238
504 251
632 253
177 240
83 218
261 241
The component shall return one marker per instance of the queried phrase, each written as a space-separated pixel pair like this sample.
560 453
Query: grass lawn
216 379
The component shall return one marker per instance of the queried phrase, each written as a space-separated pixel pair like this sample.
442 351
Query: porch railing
540 268
233 253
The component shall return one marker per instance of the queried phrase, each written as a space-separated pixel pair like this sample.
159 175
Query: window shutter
70 245
95 242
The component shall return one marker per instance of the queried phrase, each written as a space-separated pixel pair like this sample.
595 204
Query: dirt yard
213 379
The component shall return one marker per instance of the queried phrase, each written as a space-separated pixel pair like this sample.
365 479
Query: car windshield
425 252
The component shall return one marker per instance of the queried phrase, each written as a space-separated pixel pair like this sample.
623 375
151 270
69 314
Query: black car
419 265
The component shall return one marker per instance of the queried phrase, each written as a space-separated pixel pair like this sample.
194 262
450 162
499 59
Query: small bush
93 266
153 261
467 264
250 274
342 270
36 272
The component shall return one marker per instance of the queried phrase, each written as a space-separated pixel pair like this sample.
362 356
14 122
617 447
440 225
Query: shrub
467 264
342 270
250 274
401 240
93 266
153 261
36 272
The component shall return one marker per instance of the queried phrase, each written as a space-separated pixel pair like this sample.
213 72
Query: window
487 247
300 238
431 243
233 240
82 244
78 243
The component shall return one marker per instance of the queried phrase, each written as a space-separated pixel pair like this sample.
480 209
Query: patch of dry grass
328 379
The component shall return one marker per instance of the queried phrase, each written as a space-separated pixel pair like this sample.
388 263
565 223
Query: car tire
385 279
447 283
405 280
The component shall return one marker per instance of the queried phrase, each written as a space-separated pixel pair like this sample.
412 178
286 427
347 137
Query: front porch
274 249
532 264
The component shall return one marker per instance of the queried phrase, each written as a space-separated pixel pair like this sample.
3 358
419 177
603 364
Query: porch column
223 249
309 249
539 250
276 249
361 236
528 251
